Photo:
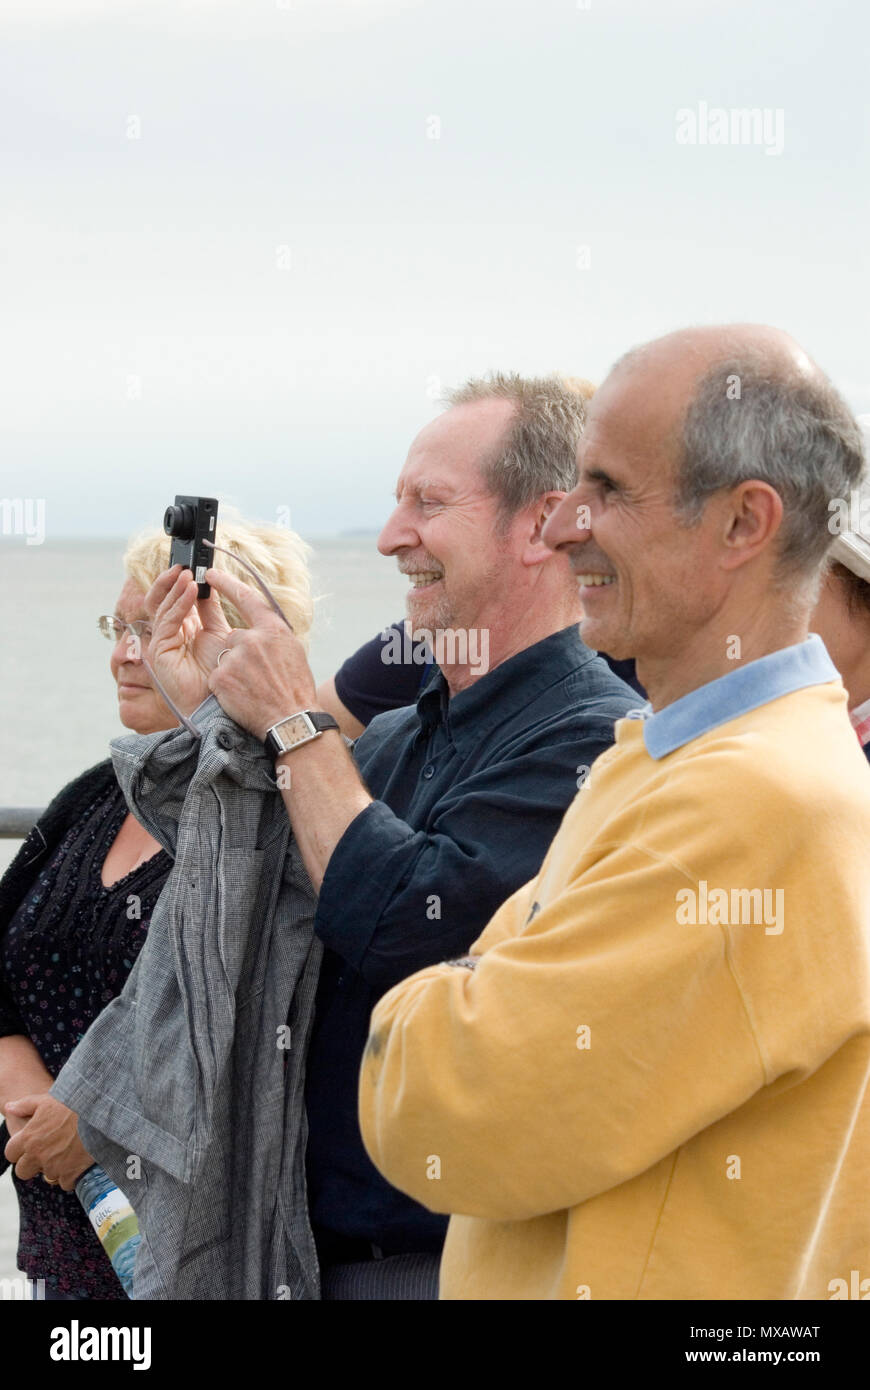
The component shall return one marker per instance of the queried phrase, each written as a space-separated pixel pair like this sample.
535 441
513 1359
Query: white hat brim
854 553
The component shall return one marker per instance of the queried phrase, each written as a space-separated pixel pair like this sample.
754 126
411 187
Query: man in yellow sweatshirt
649 1079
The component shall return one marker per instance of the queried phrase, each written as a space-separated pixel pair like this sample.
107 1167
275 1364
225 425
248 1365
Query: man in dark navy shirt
363 686
448 806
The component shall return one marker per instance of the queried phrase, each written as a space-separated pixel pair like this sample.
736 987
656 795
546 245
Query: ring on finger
223 653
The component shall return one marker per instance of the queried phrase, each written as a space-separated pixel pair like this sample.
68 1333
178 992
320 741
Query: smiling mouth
421 579
595 581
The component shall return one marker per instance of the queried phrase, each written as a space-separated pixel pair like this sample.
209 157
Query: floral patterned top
66 953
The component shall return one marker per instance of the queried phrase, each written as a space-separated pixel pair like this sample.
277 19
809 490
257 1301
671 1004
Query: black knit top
68 944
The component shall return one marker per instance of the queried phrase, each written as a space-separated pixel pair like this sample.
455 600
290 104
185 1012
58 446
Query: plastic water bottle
113 1219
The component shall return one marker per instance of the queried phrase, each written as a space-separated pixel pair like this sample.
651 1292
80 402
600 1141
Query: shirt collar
744 689
509 687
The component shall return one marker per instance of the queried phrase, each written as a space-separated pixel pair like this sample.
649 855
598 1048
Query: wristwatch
297 729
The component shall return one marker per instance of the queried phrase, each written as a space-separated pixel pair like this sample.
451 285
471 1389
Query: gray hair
749 420
539 451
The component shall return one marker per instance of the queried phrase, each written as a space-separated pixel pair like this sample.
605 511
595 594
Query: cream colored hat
852 546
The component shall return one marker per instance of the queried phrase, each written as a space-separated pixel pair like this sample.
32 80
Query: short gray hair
749 420
539 451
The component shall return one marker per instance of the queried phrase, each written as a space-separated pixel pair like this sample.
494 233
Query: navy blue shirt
470 792
367 684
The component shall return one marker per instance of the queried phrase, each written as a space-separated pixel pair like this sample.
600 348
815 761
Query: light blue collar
747 687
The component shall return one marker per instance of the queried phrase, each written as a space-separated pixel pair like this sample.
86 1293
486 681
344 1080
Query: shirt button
429 771
224 740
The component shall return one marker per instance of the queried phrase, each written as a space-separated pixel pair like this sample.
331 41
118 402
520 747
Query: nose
128 648
399 533
570 523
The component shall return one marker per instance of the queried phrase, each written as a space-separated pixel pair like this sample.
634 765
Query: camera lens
179 522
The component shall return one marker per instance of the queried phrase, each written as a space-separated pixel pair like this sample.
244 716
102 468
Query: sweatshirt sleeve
585 1046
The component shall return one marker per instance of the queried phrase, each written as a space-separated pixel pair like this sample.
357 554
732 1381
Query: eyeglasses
113 629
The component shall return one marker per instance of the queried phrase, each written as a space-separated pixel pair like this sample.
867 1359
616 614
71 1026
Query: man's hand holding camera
262 677
259 674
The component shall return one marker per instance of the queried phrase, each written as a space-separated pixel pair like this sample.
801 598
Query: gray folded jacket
197 1068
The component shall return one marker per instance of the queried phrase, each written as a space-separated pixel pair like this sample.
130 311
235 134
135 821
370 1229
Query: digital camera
191 522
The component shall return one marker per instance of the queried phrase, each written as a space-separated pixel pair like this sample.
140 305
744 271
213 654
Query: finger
252 606
14 1149
159 589
191 624
176 606
226 653
27 1168
212 615
23 1106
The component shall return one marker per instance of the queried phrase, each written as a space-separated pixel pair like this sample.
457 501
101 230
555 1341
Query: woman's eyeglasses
114 628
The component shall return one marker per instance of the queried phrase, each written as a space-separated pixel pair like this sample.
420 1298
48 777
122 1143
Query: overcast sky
244 245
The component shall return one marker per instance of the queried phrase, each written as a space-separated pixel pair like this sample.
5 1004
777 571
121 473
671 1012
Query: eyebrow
424 485
599 475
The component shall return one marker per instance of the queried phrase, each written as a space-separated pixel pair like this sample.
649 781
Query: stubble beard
435 614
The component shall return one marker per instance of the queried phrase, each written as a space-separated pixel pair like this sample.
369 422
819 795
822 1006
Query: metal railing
16 822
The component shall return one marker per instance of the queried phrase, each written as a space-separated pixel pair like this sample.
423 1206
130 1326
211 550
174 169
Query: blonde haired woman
75 905
278 555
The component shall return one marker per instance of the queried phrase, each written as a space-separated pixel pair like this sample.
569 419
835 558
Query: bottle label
113 1220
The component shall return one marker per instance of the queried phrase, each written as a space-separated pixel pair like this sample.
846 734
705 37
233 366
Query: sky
244 247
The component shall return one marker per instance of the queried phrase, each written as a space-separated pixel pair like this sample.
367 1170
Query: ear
535 552
753 518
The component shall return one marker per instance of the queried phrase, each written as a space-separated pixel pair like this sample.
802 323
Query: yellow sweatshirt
654 1084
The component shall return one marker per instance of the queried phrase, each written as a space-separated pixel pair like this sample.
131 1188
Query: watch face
295 730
